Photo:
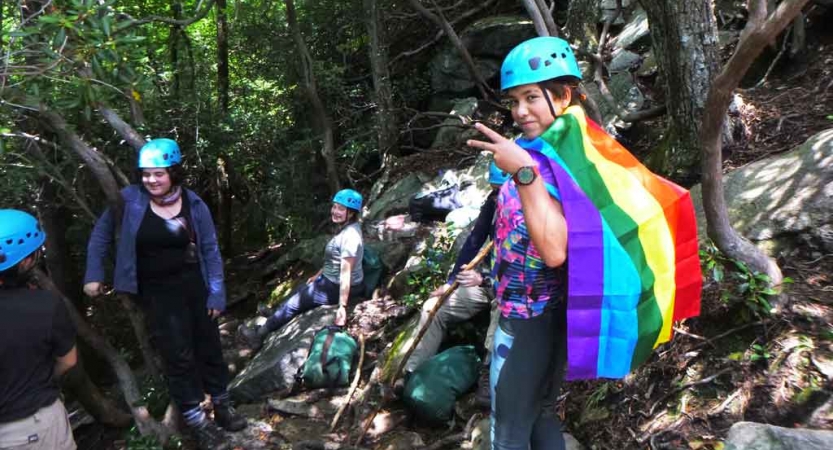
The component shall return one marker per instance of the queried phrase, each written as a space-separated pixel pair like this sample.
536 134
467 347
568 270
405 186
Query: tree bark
438 18
323 120
78 383
684 37
537 18
384 117
127 381
222 58
760 29
173 45
130 135
224 204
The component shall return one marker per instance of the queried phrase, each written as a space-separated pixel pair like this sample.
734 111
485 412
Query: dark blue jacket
136 202
483 229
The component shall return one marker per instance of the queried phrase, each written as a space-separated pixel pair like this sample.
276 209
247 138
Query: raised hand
508 155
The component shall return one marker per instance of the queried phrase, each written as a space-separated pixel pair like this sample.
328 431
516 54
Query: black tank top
161 245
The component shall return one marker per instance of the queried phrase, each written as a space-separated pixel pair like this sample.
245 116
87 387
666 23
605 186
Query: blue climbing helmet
536 60
497 176
349 199
20 236
159 153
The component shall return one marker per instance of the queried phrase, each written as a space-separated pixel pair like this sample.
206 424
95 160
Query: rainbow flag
632 258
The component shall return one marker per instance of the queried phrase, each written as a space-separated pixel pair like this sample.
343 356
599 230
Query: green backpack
330 359
435 385
372 269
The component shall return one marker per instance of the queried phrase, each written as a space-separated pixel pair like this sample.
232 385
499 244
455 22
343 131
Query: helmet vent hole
564 56
9 241
2 257
20 241
534 63
510 72
28 235
554 56
547 63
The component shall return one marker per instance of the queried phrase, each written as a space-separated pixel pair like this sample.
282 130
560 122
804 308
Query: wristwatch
526 175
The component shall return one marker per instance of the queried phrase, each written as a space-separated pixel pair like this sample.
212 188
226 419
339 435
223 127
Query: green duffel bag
372 270
435 385
331 358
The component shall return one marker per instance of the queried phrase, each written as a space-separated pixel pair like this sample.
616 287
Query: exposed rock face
284 351
758 436
784 200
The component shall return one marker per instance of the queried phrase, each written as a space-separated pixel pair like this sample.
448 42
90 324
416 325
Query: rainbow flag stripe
632 259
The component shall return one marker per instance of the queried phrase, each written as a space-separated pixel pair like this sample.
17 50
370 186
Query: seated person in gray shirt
339 281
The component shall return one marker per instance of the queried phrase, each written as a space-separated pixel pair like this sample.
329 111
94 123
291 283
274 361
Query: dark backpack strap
325 351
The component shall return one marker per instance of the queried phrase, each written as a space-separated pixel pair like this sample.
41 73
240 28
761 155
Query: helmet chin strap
547 98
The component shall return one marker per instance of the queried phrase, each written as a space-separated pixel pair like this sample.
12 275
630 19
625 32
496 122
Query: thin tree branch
182 23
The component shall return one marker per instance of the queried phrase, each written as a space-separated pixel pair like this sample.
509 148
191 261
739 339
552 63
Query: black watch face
526 175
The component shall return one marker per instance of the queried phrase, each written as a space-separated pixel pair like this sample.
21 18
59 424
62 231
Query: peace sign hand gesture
508 155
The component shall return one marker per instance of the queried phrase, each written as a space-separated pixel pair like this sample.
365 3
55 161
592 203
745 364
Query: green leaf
49 18
717 274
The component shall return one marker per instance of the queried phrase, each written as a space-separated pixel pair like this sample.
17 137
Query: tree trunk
541 17
222 58
387 133
130 135
684 37
78 383
54 218
130 389
324 123
760 29
440 20
224 204
537 18
173 45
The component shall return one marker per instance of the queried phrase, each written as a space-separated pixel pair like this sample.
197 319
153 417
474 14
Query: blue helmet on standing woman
159 153
349 199
20 236
536 60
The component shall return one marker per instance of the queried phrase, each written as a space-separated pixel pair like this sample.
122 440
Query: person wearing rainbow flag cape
595 256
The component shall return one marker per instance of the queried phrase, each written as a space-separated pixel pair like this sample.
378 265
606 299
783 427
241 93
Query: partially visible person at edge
540 77
37 344
167 255
475 293
338 282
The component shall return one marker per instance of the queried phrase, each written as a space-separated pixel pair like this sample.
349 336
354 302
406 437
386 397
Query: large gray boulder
784 200
488 41
308 251
274 367
758 436
450 136
636 33
395 200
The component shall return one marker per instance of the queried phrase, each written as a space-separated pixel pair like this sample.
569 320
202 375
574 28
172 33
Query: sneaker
209 437
227 418
253 336
483 394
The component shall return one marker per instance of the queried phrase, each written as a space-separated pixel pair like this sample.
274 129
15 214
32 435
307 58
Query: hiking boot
483 394
209 437
227 418
253 336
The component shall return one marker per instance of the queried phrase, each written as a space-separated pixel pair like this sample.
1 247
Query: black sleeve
479 234
63 331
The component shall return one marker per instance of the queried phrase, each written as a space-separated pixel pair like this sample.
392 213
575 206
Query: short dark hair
176 172
560 85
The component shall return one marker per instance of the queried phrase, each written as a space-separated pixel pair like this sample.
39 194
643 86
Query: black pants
528 365
186 337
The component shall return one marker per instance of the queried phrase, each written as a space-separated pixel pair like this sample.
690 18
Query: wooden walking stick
474 262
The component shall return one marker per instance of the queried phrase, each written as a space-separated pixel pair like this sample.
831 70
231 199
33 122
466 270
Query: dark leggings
528 360
186 337
318 293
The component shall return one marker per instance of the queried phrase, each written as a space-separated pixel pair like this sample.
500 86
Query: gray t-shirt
346 244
